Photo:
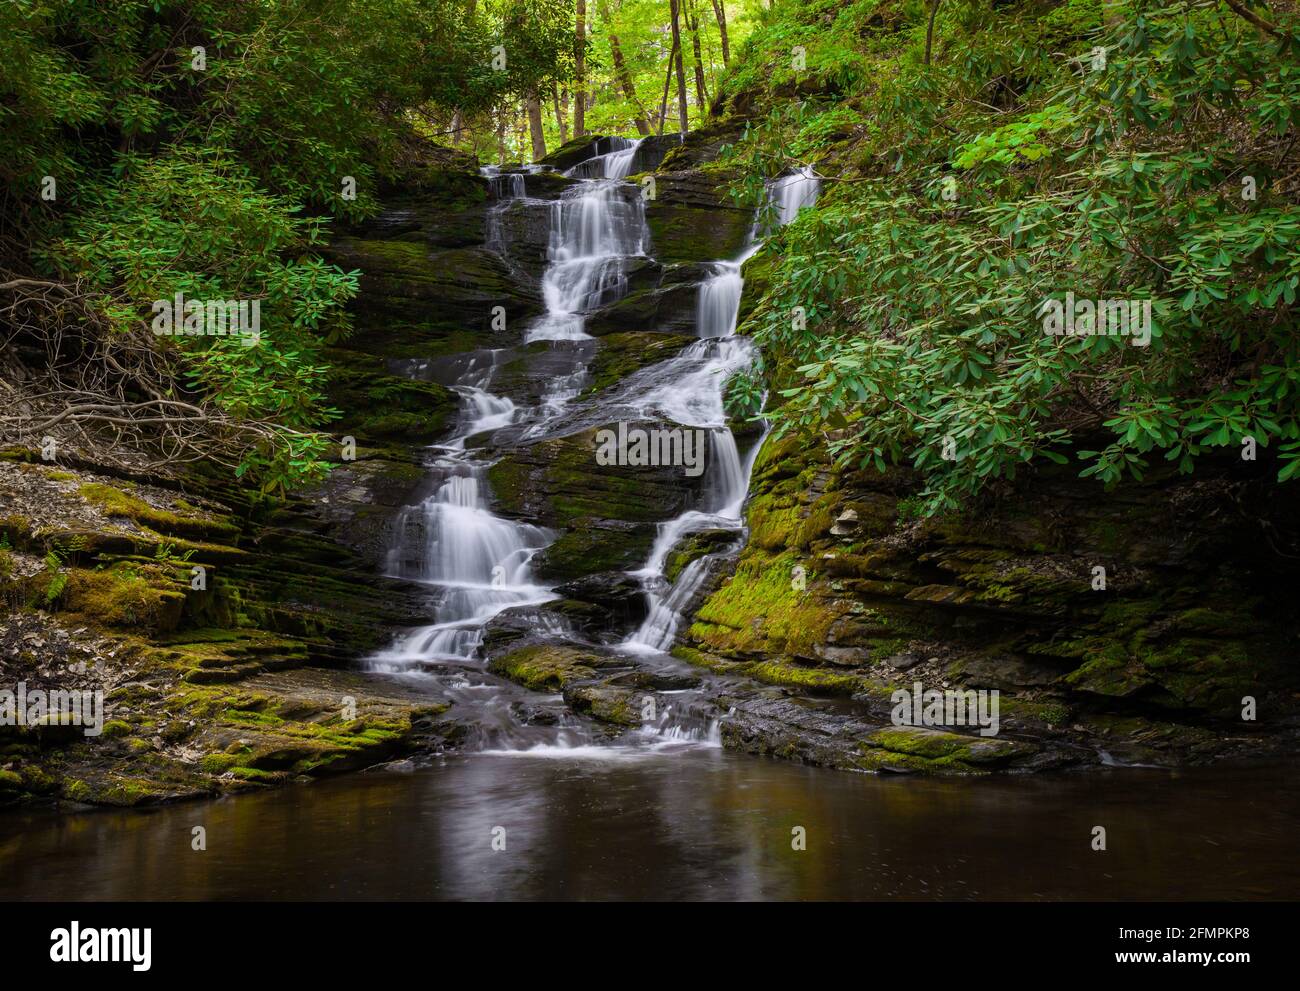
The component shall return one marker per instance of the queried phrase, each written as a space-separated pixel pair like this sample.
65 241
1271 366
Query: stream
659 811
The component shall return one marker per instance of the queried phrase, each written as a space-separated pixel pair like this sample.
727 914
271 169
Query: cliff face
1135 623
838 598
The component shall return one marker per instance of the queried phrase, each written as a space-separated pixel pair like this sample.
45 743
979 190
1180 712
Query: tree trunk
668 78
929 30
535 126
720 11
693 22
501 135
675 9
561 115
621 71
580 80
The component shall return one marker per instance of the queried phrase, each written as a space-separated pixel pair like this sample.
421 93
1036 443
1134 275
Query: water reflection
697 824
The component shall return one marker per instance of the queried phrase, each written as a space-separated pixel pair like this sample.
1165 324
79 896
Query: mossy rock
619 355
379 407
691 219
547 667
610 705
576 150
936 750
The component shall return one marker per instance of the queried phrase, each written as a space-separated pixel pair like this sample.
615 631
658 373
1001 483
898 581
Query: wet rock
609 705
692 219
577 150
616 592
846 524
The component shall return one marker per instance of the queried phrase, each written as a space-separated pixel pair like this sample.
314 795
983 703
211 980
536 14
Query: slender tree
621 69
580 75
720 12
534 105
693 22
561 113
675 10
668 78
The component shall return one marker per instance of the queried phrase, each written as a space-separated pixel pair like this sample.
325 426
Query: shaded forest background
978 157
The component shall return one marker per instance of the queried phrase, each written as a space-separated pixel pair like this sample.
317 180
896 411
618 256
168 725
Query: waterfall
594 232
613 164
478 565
719 301
791 193
593 235
695 396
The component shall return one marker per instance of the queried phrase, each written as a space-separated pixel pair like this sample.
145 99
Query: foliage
1002 176
201 147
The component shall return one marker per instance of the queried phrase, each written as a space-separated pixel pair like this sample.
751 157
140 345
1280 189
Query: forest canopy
984 164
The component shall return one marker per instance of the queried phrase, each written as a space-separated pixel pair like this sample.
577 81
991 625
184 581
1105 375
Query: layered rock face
1136 625
793 646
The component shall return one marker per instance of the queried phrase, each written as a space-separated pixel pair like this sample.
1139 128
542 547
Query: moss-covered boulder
408 281
693 219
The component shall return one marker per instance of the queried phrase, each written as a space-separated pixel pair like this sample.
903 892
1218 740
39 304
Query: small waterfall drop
478 563
695 396
791 193
594 233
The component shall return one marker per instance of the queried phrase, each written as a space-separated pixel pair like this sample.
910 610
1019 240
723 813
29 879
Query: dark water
692 824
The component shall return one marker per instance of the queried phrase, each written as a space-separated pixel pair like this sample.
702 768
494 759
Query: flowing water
478 565
660 811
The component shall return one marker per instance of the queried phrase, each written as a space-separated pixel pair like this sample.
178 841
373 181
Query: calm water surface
695 824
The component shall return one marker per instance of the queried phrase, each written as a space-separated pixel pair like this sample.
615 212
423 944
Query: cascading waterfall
613 164
594 234
695 397
791 193
480 564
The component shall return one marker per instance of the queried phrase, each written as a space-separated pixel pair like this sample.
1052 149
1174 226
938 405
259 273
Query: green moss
76 791
140 598
619 355
799 676
546 667
761 610
115 502
254 774
10 780
937 750
116 727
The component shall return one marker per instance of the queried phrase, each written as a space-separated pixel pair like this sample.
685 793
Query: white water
696 397
480 565
595 232
791 193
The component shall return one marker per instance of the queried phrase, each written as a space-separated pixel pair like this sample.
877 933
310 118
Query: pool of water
675 824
